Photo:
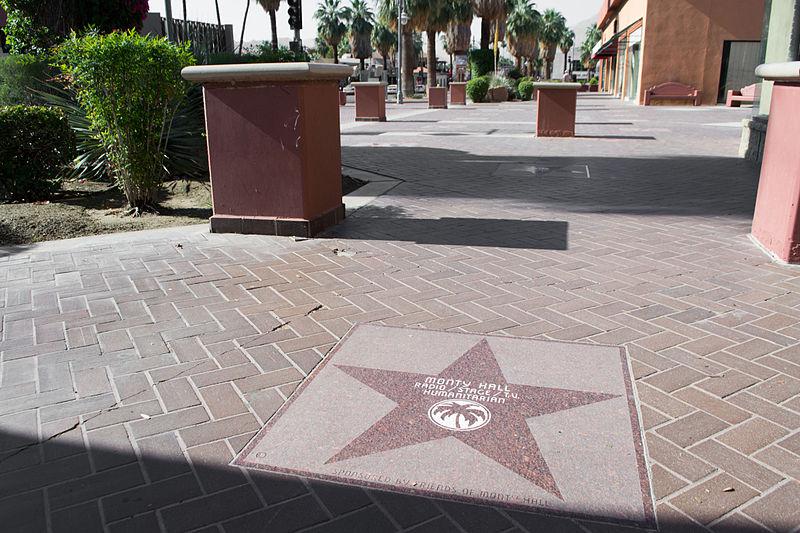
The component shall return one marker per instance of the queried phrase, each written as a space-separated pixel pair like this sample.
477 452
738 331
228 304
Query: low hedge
525 88
477 88
35 144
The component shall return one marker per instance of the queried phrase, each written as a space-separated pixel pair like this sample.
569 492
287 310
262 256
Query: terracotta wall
684 39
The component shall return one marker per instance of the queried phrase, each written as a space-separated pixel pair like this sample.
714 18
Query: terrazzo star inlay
534 425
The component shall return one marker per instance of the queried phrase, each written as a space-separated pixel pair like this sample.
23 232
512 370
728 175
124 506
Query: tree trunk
219 19
184 11
566 66
361 73
407 68
335 53
274 26
486 33
385 67
431 58
244 24
518 60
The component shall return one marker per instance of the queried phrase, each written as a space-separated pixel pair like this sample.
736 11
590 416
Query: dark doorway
739 61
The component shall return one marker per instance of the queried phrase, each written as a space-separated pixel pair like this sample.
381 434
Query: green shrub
130 86
481 62
36 25
262 54
594 81
525 89
22 77
477 88
35 145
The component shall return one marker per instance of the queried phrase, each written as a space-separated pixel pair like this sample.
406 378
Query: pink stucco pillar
458 93
555 109
370 101
273 146
776 221
437 97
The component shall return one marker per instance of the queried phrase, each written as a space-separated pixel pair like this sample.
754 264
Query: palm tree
271 7
244 24
593 36
459 30
489 11
567 40
361 24
523 28
553 26
433 16
464 415
330 24
384 40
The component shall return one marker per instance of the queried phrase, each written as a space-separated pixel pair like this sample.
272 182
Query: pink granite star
496 427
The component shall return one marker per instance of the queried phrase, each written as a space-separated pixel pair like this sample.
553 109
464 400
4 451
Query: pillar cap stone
256 72
551 85
789 71
368 83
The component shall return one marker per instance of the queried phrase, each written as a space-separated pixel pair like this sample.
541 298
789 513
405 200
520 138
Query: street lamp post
402 20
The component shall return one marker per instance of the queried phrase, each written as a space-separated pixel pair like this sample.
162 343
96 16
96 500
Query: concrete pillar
370 101
437 97
782 38
458 93
555 109
776 221
273 146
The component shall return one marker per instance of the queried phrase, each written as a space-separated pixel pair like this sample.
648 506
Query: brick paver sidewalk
135 367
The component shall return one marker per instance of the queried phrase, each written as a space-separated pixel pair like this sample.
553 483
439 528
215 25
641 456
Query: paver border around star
643 467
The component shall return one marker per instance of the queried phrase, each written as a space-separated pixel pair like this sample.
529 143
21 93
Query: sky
257 29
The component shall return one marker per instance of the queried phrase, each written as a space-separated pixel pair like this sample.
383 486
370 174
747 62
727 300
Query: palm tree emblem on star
459 415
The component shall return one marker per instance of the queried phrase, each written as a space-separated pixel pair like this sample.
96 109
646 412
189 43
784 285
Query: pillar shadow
57 483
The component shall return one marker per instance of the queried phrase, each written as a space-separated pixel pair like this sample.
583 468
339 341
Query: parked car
419 88
349 89
391 89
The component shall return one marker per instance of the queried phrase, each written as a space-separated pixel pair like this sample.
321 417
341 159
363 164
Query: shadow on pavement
59 484
657 185
531 234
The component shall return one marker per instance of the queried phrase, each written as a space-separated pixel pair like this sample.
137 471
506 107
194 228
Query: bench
672 91
745 95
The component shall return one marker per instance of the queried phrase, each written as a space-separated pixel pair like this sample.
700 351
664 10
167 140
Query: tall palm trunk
566 67
518 60
336 53
244 24
273 22
184 11
221 38
385 68
408 61
486 33
431 58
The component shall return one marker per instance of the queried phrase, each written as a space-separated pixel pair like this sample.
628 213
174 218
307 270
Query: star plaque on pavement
534 425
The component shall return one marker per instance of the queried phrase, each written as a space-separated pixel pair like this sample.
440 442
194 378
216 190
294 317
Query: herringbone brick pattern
135 367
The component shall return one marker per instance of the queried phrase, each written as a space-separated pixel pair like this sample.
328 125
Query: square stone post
458 93
437 97
555 109
274 148
370 101
776 221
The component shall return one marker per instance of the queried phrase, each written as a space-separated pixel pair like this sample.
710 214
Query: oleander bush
131 89
36 144
477 88
34 26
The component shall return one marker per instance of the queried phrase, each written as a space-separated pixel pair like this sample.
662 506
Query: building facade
712 45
